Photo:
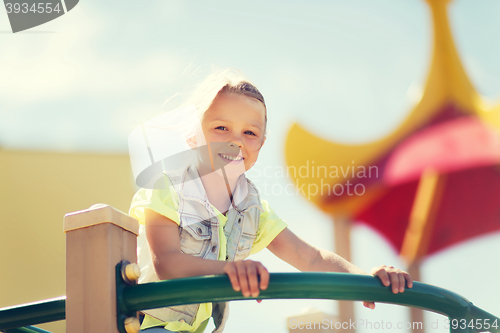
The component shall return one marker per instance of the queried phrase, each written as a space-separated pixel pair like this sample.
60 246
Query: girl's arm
170 263
305 257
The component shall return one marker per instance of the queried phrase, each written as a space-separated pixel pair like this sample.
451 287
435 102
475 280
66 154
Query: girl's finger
394 282
402 283
233 277
384 277
409 280
264 276
242 277
253 281
369 305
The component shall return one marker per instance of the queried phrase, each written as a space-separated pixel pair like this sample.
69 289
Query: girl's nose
236 140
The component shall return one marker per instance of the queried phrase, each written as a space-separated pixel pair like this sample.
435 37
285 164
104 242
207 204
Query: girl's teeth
232 158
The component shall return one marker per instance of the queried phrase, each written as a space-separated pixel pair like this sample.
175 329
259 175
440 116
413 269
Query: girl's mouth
231 158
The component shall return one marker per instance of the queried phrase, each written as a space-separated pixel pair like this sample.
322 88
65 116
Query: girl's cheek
253 144
217 136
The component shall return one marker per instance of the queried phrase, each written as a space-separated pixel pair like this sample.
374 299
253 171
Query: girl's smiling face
234 121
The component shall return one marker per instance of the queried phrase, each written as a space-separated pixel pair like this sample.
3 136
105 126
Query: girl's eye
222 128
250 133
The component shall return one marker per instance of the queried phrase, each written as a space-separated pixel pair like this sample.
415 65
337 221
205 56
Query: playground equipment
447 145
102 295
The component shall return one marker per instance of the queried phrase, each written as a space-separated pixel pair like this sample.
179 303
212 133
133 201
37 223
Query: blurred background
73 89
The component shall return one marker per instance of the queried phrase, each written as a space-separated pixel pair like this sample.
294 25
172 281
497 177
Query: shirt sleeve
163 200
269 227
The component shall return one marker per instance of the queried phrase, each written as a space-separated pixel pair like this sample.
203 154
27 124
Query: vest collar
245 194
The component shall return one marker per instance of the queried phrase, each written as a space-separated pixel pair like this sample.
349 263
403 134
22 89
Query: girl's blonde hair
230 81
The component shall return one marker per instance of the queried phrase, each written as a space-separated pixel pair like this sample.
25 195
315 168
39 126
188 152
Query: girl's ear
191 141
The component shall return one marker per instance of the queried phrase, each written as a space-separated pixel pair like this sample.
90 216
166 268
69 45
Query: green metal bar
477 320
477 313
27 329
33 313
339 286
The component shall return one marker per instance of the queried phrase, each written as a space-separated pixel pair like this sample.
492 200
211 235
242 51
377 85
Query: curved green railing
12 319
338 286
28 329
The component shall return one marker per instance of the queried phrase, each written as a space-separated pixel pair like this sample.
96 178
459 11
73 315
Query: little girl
207 217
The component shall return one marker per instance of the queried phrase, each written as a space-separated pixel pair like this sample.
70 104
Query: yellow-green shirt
166 202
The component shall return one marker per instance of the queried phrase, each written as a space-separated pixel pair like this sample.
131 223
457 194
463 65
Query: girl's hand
391 276
244 276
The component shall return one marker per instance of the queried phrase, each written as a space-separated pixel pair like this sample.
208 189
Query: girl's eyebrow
228 121
218 119
255 126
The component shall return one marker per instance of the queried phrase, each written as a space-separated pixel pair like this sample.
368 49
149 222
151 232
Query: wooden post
342 237
419 230
97 239
416 315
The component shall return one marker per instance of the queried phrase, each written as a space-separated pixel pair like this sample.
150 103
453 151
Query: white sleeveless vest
199 235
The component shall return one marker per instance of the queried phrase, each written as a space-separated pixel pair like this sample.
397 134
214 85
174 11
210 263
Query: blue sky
348 70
